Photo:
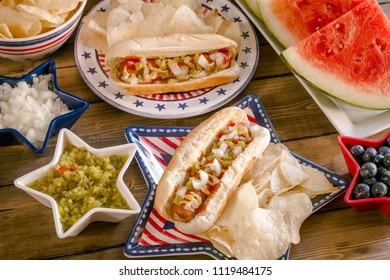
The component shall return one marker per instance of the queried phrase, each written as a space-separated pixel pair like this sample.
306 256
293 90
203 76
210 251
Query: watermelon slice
293 20
349 58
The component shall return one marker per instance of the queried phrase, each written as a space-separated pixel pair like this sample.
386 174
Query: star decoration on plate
225 8
244 65
103 84
245 34
119 95
183 106
247 50
204 100
96 214
221 91
86 55
160 107
92 70
138 103
237 19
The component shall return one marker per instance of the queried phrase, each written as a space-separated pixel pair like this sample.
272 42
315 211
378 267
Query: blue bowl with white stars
11 136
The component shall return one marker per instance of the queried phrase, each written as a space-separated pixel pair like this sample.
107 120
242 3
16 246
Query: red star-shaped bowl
362 204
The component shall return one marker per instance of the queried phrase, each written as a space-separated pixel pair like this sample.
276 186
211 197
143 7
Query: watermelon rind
331 85
252 4
273 24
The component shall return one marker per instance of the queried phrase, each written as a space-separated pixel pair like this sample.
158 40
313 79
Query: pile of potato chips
127 19
26 18
264 215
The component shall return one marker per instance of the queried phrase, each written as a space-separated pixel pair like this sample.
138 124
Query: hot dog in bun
172 63
206 169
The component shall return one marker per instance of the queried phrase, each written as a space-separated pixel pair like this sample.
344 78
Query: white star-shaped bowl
95 214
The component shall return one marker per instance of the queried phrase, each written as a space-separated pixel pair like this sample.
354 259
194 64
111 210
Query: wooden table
334 232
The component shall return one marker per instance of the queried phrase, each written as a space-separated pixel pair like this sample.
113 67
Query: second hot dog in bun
206 169
172 63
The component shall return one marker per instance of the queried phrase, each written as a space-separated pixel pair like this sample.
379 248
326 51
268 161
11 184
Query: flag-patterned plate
151 234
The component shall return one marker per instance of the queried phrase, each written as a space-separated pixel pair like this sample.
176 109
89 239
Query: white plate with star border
91 64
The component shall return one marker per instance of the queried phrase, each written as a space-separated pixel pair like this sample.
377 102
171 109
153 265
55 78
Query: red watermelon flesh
293 20
349 58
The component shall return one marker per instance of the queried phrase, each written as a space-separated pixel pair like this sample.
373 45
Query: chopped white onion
231 135
202 61
204 178
216 167
237 150
174 68
218 57
30 108
221 150
181 191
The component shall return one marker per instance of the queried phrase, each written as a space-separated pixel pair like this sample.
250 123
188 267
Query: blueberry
357 151
385 178
368 170
386 160
369 154
370 181
382 170
378 159
384 150
379 189
361 190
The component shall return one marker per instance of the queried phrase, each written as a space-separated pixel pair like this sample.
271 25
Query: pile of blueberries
374 164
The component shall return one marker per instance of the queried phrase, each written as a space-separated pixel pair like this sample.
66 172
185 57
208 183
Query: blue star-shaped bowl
11 136
95 214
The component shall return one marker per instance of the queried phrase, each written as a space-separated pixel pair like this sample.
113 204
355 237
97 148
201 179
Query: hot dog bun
174 45
190 151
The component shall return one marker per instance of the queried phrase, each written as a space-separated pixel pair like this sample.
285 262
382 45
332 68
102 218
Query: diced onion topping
198 184
216 167
202 61
175 68
181 191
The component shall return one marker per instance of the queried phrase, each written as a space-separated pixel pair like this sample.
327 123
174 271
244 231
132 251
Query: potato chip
185 20
130 5
214 19
10 3
94 32
278 182
156 20
292 173
261 235
295 207
18 25
4 31
231 30
264 196
316 183
63 5
122 25
193 4
36 13
221 239
243 201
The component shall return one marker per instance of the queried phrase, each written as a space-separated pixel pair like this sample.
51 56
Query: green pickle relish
81 181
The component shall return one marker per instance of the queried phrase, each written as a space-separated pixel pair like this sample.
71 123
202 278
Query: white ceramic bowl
40 46
95 214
